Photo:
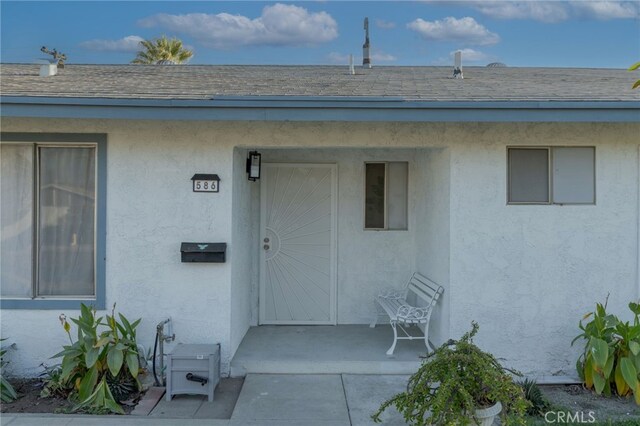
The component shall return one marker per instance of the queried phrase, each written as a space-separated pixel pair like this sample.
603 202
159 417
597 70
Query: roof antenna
366 60
457 65
58 57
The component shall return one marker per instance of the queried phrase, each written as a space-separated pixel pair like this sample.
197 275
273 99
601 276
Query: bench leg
395 339
375 319
426 336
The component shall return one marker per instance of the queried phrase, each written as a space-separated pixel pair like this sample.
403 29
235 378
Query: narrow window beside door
386 195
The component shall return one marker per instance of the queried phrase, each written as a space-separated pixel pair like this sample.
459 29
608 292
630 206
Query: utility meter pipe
160 339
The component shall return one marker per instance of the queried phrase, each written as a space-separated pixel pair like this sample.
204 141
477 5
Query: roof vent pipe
457 65
48 67
352 70
366 59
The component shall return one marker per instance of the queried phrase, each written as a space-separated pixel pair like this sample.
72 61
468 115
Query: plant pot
485 416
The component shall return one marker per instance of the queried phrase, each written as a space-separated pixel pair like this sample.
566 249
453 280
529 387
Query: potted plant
459 384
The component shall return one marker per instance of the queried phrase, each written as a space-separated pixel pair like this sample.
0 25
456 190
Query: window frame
550 149
386 196
67 140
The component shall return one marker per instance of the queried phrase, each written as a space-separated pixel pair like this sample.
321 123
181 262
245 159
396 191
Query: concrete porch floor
341 349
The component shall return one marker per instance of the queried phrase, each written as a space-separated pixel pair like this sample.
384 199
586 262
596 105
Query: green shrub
611 358
453 382
97 358
7 392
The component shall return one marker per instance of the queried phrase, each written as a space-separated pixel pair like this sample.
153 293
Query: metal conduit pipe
160 339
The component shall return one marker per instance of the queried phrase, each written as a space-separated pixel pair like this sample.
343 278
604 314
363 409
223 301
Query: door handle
266 246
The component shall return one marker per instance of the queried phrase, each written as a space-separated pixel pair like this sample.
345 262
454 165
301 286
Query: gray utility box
193 369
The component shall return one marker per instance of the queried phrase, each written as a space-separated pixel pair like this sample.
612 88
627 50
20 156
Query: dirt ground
575 398
29 400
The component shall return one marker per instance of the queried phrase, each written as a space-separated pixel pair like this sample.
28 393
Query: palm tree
633 68
162 51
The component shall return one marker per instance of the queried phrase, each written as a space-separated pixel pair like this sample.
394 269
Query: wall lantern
254 165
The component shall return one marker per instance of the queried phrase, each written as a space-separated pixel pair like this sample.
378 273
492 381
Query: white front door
298 244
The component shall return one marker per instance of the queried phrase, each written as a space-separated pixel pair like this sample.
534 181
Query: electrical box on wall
204 252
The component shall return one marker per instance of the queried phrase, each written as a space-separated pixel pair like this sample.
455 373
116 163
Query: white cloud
279 25
339 58
385 25
545 11
606 10
376 57
380 56
126 44
551 11
451 29
470 55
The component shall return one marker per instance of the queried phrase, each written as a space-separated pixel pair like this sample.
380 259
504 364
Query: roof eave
304 108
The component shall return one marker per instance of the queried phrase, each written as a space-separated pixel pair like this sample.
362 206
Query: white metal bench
400 312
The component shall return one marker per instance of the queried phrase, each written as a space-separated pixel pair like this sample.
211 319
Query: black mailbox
204 252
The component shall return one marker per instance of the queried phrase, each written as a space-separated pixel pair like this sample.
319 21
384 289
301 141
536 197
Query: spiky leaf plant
121 386
533 394
7 392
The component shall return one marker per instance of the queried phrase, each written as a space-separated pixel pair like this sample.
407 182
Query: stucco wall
243 247
432 232
526 273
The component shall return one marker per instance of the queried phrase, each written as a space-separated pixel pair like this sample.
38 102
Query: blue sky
518 33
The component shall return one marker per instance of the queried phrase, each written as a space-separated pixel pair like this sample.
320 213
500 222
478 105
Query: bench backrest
424 288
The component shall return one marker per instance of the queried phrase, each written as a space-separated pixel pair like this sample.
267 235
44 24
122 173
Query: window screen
16 220
386 195
574 175
528 175
374 196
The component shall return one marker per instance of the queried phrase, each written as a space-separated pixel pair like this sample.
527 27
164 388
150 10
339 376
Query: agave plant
162 51
532 393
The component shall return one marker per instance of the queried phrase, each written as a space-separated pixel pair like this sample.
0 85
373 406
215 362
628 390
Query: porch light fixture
254 165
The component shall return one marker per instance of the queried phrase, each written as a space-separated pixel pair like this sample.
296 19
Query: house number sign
205 183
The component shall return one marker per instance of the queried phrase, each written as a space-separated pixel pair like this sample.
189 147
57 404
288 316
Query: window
386 195
51 212
551 175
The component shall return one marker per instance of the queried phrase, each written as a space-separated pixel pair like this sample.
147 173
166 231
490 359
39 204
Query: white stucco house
516 189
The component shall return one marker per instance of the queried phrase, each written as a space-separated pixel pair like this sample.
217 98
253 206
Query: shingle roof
410 83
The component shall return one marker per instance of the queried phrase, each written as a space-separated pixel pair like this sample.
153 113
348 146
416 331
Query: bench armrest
412 313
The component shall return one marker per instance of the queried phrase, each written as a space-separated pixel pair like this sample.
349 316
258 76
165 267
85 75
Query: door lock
266 246
266 240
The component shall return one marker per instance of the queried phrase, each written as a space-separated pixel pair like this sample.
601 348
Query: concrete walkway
267 400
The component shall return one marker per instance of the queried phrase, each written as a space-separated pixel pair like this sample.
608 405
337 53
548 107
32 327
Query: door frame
333 274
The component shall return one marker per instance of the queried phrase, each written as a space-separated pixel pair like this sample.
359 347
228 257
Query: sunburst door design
298 217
